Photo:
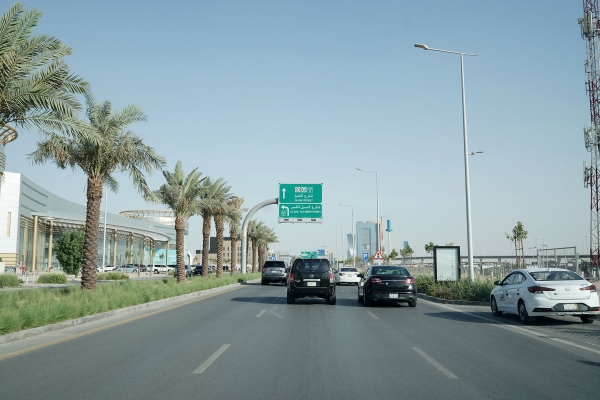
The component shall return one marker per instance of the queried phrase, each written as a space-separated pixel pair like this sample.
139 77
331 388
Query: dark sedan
382 283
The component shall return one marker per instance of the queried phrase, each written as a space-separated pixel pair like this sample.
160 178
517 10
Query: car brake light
594 309
376 281
263 270
331 278
591 288
410 281
539 289
291 278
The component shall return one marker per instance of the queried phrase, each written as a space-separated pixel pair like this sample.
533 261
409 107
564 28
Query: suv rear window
311 265
274 264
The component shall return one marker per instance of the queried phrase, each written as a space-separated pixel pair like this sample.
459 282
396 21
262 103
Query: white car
158 269
347 275
545 292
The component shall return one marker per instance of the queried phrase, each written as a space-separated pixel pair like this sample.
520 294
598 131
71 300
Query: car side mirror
497 283
360 275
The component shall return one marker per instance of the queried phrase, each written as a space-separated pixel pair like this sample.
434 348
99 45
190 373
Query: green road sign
308 254
300 211
300 193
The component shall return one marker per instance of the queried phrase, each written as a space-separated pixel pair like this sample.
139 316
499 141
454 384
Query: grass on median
8 280
27 308
464 289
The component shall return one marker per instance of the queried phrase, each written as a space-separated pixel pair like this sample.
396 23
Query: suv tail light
591 288
331 278
376 281
291 278
263 270
540 289
410 281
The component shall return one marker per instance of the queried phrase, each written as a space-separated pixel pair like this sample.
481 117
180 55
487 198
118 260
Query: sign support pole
245 227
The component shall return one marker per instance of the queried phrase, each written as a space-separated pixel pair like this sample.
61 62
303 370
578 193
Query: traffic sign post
365 256
273 257
300 202
378 256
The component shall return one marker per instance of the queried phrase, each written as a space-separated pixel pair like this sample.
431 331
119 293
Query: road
248 344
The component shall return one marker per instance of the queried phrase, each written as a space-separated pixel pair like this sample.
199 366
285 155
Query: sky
267 92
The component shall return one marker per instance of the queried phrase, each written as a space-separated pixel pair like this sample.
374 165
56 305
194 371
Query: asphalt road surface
248 343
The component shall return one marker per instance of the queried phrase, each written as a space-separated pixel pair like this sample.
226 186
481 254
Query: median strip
436 364
211 359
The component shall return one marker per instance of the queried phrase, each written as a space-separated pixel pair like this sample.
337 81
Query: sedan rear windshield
555 276
349 270
311 266
390 271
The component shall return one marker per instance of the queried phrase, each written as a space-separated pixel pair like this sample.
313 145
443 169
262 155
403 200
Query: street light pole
104 240
343 255
377 194
353 251
466 151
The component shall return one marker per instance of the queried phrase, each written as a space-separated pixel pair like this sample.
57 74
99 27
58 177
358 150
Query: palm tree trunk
254 251
179 248
90 241
261 256
205 243
233 236
220 228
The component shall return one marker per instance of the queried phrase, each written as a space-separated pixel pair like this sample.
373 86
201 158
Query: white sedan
347 275
544 292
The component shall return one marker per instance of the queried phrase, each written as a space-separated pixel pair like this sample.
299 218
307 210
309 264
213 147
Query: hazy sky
269 92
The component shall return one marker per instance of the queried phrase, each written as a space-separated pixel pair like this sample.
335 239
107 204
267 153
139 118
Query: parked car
197 270
347 275
106 268
160 269
128 268
188 271
311 278
545 291
273 271
383 283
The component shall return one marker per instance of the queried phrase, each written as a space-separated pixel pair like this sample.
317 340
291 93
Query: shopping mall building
32 219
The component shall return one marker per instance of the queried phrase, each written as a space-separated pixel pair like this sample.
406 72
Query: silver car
273 271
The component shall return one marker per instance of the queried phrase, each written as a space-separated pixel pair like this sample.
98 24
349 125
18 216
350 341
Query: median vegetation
8 280
24 309
464 289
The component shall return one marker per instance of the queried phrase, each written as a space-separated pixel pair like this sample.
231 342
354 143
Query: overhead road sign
300 202
321 253
308 254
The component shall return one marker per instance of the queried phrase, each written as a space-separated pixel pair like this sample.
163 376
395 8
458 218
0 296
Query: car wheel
586 319
494 307
332 299
262 282
290 299
523 315
337 284
156 271
412 303
360 298
366 300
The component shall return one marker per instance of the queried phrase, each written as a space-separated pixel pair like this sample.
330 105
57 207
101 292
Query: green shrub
9 280
111 276
463 289
52 278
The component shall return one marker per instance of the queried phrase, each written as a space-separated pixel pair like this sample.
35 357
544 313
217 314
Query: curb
457 302
27 333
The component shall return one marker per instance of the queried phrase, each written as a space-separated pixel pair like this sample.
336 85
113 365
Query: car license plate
311 283
393 295
569 307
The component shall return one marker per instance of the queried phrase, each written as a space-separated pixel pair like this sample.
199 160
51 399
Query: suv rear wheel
332 299
291 299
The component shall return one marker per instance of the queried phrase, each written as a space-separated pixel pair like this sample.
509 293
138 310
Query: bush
9 280
464 289
111 276
52 278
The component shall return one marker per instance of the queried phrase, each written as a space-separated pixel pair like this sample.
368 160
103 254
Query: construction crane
589 32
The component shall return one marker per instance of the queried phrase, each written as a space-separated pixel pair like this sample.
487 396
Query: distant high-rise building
366 238
405 244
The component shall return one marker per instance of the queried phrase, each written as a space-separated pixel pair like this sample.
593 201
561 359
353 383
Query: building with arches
32 219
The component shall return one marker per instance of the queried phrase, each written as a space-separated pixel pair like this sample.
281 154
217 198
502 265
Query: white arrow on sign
283 191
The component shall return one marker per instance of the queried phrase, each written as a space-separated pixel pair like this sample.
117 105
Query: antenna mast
589 32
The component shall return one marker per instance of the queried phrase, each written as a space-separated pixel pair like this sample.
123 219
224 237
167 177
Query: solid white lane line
260 313
435 363
372 315
211 359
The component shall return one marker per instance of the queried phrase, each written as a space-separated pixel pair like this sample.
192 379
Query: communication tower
589 32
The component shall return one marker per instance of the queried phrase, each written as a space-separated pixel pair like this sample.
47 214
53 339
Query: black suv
273 271
311 278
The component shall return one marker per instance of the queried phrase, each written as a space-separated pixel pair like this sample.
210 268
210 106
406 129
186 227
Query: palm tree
36 86
220 213
182 195
109 147
266 236
234 220
254 235
213 194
